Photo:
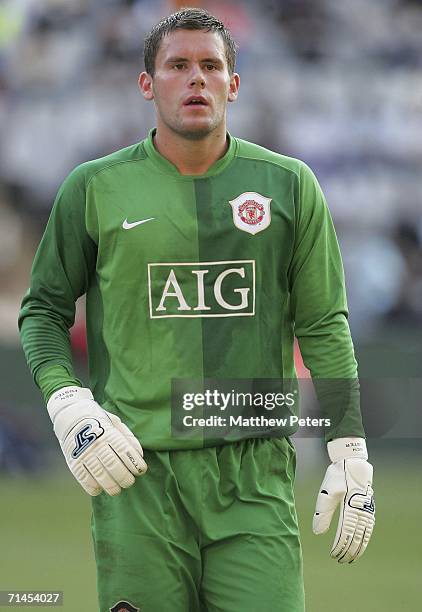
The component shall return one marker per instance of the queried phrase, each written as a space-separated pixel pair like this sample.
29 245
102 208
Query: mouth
195 101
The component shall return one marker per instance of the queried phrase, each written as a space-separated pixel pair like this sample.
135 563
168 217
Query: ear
234 87
145 85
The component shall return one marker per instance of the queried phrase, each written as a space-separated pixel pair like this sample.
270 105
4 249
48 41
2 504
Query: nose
197 78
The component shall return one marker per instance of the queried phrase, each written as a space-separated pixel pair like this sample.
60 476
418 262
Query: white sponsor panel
202 289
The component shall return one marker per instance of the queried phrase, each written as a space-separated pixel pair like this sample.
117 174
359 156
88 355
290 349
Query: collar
163 164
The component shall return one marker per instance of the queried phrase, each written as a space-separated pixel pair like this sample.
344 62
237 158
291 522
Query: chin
196 132
199 134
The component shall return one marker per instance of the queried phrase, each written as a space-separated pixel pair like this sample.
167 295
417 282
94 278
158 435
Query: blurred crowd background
337 83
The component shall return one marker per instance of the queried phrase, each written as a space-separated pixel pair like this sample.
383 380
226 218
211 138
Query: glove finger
128 434
355 542
102 476
346 528
116 467
365 539
85 478
361 504
325 508
91 489
128 455
133 461
332 491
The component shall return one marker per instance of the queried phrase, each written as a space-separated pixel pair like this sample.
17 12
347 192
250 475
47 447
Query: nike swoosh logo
127 225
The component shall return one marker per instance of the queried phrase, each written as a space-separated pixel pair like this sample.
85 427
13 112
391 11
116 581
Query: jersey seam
182 177
236 156
87 183
193 177
268 161
111 165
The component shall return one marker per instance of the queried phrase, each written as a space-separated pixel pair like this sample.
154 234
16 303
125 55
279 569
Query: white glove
348 482
101 452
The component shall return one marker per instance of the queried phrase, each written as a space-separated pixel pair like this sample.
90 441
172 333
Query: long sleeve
61 272
319 308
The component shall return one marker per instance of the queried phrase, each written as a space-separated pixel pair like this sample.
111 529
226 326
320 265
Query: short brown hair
187 19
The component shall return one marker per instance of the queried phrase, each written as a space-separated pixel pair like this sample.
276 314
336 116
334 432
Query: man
201 256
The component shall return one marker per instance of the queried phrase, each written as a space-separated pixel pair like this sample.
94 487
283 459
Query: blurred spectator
20 450
408 237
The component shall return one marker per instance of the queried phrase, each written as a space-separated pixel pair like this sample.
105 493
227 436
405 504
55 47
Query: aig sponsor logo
204 289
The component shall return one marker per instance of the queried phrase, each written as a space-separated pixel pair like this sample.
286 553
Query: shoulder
85 172
254 152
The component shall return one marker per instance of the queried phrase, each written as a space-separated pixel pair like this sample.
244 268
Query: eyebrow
211 60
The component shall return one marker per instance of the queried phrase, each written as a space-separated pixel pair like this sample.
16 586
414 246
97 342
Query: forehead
191 44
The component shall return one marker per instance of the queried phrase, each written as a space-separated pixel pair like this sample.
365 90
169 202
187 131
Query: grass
46 540
46 543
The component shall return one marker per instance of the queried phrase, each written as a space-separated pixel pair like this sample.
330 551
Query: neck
191 157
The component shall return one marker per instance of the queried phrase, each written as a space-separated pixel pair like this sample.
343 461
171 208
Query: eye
210 67
179 66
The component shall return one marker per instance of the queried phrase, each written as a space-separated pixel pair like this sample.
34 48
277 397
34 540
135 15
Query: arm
318 299
61 272
319 308
101 452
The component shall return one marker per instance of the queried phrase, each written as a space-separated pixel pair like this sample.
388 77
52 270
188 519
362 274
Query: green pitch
46 543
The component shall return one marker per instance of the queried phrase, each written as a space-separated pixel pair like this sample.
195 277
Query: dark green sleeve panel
61 272
54 377
318 300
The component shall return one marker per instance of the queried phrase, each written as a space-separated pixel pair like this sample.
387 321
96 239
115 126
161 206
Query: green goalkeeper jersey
206 276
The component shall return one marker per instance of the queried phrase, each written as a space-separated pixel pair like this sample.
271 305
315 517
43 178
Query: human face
189 64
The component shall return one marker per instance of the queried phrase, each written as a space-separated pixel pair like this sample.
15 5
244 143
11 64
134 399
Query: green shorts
211 530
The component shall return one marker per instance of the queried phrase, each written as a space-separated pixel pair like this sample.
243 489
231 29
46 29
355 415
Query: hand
101 452
348 483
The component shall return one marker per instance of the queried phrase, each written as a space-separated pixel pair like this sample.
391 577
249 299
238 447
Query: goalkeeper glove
101 452
348 482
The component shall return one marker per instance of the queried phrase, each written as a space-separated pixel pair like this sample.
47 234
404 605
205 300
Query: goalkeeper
201 256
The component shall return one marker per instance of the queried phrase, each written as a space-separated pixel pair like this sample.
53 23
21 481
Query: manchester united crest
124 606
251 212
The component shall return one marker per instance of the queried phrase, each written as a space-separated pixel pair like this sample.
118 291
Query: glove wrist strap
66 396
347 448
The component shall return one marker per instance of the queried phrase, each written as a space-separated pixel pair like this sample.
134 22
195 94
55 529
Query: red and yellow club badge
124 606
251 212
